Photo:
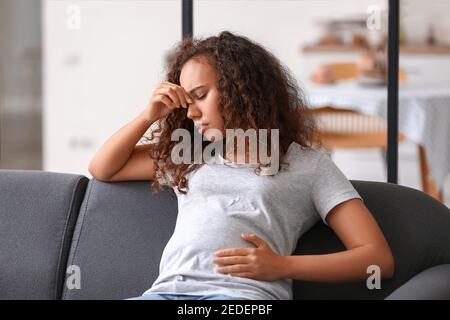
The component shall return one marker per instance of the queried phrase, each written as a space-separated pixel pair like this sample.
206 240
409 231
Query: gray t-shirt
227 199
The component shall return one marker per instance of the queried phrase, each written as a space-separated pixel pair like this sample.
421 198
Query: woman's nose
193 112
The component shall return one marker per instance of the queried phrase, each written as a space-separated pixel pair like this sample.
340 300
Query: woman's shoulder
306 156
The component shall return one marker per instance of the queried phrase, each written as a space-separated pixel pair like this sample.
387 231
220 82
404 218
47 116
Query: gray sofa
115 233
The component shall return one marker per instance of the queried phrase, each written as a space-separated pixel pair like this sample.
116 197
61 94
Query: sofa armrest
38 212
430 284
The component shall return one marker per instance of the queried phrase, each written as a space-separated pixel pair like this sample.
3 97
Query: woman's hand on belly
259 263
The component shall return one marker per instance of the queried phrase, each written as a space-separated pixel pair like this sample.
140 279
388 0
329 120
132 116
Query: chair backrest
341 120
346 128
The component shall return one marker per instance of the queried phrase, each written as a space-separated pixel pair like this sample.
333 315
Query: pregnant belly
193 247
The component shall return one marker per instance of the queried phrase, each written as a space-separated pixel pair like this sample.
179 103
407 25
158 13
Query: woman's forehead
196 72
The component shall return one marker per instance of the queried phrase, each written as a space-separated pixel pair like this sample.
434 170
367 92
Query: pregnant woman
238 224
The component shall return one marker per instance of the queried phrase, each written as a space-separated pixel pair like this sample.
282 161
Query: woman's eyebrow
197 87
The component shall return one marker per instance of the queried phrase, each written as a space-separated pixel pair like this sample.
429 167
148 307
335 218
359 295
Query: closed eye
202 97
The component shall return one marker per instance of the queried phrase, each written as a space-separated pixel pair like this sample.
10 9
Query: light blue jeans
155 296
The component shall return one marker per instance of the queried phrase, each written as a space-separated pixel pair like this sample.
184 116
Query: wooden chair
339 128
428 185
346 128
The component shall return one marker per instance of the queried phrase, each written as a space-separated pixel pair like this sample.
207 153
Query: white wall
100 76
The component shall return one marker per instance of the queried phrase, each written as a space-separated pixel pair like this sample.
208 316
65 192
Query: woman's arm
363 239
354 225
118 149
119 158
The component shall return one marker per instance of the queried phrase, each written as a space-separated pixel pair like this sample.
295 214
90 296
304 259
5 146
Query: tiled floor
367 164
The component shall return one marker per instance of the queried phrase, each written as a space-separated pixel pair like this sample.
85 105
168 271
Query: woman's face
198 79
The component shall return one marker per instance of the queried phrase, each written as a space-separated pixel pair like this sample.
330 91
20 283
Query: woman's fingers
172 94
181 94
223 261
237 268
164 99
178 95
188 96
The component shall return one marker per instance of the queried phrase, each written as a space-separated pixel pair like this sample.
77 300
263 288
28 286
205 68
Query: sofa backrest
55 227
121 232
38 212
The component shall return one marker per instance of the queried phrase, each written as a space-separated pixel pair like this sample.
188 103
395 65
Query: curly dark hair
256 91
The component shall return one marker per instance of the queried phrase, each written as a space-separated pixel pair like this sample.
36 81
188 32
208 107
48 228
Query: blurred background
73 72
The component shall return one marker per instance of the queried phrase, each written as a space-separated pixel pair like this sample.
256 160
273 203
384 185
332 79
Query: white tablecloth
424 115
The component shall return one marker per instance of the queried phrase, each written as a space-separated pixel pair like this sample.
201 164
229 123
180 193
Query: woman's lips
201 127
